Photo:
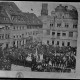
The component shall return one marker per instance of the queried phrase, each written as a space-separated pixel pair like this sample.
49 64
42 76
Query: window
58 34
13 36
17 36
13 43
22 35
70 34
4 18
20 43
6 27
53 33
7 45
17 27
59 25
17 43
5 36
33 33
52 42
47 42
14 27
68 43
2 36
30 33
62 43
27 27
23 41
74 25
8 36
63 17
57 42
36 32
26 33
63 34
66 25
51 24
23 27
20 27
48 32
30 27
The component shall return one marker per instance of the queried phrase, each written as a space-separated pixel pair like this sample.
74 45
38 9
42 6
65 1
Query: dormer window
5 18
51 24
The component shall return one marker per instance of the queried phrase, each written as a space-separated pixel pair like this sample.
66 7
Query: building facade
21 26
46 19
65 31
5 24
61 26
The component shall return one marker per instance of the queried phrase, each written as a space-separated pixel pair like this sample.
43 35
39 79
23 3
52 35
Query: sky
26 6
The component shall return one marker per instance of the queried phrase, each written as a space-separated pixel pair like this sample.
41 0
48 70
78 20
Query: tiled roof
13 13
45 18
7 9
32 19
18 15
10 5
3 16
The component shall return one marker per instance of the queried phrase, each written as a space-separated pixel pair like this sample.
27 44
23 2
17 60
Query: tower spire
44 10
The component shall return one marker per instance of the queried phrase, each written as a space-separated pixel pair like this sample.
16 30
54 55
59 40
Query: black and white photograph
39 39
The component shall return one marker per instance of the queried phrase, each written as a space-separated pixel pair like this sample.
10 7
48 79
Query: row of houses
59 28
17 26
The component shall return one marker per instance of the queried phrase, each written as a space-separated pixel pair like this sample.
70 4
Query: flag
31 9
36 52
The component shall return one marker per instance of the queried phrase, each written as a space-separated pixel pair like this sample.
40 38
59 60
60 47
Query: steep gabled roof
16 16
32 19
7 9
10 5
3 16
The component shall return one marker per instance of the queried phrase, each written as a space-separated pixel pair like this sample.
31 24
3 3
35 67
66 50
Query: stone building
21 26
60 28
65 31
5 24
46 19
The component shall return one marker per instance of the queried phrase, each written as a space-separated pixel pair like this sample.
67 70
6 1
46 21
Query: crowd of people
61 59
44 58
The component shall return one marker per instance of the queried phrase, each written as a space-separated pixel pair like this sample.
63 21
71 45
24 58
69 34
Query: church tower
44 10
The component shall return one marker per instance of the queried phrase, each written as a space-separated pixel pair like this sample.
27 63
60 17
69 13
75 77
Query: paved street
40 74
19 68
27 73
